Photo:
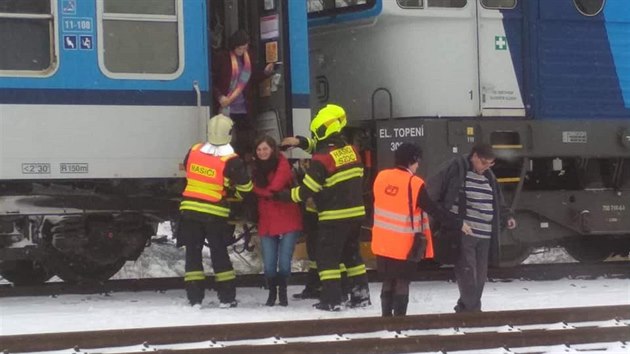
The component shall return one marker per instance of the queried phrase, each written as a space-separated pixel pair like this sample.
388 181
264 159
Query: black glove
283 196
416 253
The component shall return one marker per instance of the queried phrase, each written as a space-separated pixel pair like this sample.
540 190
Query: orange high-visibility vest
394 228
204 175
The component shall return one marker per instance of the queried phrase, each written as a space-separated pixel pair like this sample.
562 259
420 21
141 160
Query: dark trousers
214 231
471 272
338 242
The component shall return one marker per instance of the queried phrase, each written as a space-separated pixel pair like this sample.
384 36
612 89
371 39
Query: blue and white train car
99 102
547 82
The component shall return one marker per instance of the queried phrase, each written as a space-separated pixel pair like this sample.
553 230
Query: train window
26 27
410 4
446 3
321 8
498 4
140 38
589 7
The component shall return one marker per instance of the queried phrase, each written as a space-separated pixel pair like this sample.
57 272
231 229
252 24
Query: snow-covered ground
23 315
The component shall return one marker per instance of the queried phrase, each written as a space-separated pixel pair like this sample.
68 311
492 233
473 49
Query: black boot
282 291
387 303
400 304
195 291
331 296
313 286
360 291
227 294
273 291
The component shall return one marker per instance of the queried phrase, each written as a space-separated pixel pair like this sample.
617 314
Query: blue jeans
277 252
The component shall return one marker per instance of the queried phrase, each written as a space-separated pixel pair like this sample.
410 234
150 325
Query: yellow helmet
329 120
220 130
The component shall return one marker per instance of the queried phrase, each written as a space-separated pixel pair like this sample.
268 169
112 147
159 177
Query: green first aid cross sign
500 43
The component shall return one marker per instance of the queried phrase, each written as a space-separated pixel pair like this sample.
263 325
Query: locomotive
100 100
547 83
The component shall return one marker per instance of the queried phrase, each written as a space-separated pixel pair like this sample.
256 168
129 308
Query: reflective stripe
399 217
344 176
342 267
311 184
342 213
247 187
295 194
311 145
395 228
312 265
330 274
204 208
215 192
357 270
196 275
225 276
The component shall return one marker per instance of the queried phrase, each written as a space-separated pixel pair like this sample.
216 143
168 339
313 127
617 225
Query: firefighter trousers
214 231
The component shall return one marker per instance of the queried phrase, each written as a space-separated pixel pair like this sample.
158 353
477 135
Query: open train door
278 35
500 31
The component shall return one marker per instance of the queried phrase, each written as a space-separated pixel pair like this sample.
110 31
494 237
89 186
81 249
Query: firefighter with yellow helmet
312 289
334 180
212 168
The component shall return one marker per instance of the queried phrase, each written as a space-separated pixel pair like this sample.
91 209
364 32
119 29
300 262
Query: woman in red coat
233 75
279 223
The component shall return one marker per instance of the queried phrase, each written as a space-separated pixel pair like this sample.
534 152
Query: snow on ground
23 315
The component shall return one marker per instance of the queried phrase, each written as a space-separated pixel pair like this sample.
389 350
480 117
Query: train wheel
82 270
24 272
588 249
513 255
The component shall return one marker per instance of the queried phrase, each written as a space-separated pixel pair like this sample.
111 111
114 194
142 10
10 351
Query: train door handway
269 93
500 32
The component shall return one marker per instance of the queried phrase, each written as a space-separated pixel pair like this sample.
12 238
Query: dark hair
407 154
262 168
483 151
238 39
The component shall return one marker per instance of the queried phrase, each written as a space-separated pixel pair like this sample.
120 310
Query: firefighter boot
226 291
400 304
360 294
330 299
313 286
195 292
273 291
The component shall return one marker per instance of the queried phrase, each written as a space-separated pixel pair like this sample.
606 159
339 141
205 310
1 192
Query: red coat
276 217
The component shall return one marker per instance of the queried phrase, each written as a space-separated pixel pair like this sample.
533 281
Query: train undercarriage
77 231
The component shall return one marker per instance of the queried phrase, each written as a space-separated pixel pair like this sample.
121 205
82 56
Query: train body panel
545 82
538 59
98 115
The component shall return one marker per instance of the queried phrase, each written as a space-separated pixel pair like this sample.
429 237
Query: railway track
528 330
425 273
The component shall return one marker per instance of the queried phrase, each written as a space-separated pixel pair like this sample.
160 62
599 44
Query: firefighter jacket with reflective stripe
334 180
397 216
207 177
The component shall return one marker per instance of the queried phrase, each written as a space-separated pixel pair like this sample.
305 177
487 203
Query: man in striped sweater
467 187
